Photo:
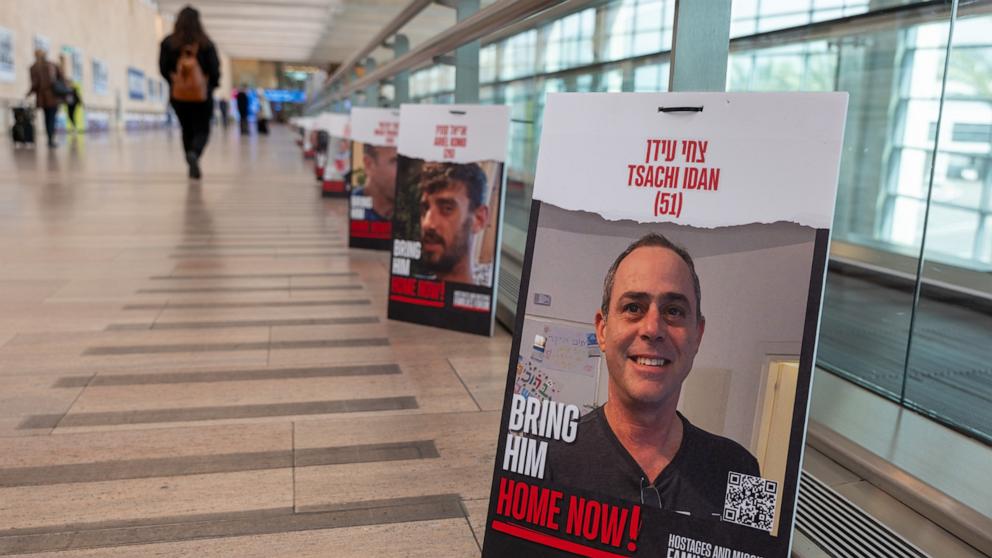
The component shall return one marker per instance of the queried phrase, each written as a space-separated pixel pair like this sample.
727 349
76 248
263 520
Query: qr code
750 501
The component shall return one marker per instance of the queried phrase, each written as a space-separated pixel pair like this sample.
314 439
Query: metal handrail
494 16
855 25
862 23
408 13
566 8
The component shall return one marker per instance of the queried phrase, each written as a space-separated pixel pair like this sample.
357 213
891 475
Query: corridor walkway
208 370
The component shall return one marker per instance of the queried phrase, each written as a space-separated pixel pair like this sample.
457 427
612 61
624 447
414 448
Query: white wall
121 33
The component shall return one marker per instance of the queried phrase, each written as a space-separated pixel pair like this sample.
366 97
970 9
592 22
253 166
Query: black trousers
194 119
70 112
244 122
50 123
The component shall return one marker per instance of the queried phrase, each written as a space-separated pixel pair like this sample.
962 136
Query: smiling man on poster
452 212
638 446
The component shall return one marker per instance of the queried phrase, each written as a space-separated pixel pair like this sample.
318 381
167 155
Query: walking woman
73 104
44 77
188 61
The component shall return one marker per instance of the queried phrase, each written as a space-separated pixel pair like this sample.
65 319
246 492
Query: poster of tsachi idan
336 157
372 197
659 378
447 215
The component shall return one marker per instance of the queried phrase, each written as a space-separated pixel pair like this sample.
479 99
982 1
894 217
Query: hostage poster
447 215
659 377
6 55
333 159
373 177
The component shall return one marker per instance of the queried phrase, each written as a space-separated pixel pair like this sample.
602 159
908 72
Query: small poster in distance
372 181
337 159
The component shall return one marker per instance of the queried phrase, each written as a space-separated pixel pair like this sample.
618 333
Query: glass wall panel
798 67
635 27
893 77
426 84
569 41
949 375
651 77
520 70
748 17
893 72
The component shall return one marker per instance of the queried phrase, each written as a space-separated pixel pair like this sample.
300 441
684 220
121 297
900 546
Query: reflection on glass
893 73
757 16
570 41
431 81
520 70
651 77
801 67
894 78
948 372
635 27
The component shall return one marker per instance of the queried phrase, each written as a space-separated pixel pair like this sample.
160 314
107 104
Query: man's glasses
649 494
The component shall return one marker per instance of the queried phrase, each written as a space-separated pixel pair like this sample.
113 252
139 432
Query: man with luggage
49 87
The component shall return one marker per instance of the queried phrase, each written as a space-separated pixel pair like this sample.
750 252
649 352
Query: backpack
59 86
189 83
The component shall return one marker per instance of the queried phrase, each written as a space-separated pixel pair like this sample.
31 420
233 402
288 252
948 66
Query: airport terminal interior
202 366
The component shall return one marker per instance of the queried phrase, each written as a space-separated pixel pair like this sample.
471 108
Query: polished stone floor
204 369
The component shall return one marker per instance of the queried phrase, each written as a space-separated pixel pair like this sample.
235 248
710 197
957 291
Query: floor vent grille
842 529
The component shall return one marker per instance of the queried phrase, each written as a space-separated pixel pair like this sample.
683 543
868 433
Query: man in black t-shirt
638 446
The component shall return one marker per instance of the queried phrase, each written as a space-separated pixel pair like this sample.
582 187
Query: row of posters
658 382
101 77
6 55
135 84
73 57
333 159
425 183
8 50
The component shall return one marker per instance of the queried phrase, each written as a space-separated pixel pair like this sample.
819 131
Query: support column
353 97
467 59
336 104
401 81
372 91
700 46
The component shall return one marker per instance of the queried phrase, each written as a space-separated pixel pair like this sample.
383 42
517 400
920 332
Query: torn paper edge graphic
776 155
367 125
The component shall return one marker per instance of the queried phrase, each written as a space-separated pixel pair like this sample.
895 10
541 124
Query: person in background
242 99
44 74
264 111
224 108
73 101
188 61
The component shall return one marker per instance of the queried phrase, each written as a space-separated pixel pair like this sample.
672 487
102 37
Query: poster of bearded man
447 215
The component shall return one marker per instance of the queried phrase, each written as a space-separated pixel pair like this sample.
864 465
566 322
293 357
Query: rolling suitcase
23 129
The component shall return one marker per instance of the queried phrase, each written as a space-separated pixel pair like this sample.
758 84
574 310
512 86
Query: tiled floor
205 370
